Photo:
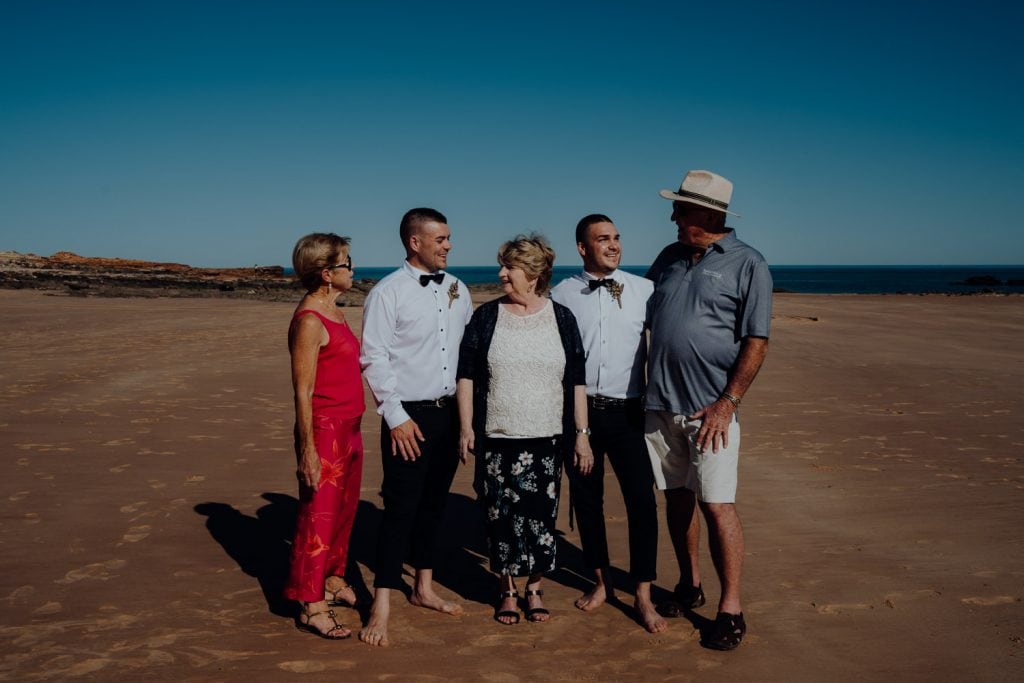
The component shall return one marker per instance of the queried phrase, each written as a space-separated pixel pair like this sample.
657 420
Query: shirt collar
414 272
587 277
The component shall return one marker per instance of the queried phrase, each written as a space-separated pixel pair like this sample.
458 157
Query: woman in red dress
328 444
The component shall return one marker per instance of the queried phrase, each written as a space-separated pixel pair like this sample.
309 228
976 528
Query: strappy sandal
332 596
498 613
531 613
305 619
726 633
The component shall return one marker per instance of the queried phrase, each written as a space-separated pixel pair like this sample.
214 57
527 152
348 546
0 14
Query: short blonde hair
533 255
313 253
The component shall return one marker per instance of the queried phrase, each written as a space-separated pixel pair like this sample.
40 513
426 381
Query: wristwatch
585 430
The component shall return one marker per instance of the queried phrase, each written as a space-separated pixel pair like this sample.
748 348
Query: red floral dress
324 525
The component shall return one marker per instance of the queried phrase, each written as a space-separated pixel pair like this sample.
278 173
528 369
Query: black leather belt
442 402
599 402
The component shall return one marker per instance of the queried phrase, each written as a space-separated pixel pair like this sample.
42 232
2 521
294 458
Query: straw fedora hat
703 188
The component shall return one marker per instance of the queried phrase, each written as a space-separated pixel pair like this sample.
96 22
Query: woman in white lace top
523 410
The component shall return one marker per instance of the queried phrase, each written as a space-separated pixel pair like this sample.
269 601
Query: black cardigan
476 342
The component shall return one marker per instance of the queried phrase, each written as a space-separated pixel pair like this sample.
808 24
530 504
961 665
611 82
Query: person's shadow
261 544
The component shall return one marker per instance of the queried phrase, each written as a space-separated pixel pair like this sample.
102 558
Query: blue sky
217 133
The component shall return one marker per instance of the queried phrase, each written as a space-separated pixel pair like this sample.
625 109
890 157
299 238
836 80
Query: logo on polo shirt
713 273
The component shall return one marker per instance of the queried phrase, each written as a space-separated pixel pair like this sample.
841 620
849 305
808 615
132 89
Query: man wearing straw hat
710 318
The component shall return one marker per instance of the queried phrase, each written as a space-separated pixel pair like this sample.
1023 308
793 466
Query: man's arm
380 314
714 428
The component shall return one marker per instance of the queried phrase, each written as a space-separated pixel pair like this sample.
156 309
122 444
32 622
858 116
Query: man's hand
309 470
467 442
583 457
714 426
404 440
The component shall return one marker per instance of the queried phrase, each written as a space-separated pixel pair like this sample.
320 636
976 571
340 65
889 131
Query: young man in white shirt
610 306
413 321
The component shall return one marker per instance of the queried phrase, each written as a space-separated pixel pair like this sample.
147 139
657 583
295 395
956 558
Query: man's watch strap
585 430
731 399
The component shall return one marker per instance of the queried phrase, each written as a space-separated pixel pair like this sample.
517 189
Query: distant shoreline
74 275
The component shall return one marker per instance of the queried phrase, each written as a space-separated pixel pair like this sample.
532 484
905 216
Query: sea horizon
813 279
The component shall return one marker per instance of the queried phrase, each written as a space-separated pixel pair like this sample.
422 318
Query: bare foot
376 630
338 592
428 599
648 616
588 602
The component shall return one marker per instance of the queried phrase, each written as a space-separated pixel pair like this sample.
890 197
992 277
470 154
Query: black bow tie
436 277
594 284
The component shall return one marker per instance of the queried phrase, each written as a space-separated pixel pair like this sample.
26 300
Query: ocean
818 279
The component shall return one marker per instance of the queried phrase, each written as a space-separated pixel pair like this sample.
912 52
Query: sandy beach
148 493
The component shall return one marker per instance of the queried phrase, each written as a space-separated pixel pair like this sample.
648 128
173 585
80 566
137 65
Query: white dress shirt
411 337
613 337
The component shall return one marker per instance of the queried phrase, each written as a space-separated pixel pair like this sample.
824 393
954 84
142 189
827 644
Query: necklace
332 309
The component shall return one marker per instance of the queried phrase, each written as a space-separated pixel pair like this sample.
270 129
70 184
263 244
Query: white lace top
526 362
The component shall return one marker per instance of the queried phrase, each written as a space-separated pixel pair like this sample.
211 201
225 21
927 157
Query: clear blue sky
217 133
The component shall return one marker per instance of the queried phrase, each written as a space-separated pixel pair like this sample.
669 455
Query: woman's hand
583 457
467 444
309 470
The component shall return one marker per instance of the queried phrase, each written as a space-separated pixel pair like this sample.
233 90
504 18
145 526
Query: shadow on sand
261 545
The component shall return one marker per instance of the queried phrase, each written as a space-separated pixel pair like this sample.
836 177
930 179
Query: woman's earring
328 288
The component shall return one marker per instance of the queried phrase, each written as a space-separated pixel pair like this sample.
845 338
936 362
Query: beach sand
148 491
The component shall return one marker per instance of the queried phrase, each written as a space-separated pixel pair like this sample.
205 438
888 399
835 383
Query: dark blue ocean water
815 279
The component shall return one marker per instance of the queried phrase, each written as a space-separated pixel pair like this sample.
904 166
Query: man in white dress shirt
413 321
610 306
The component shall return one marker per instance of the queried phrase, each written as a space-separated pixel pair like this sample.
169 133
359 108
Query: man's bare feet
588 602
338 592
376 630
648 616
428 599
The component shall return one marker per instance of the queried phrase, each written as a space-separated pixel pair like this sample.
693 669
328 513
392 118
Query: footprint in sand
18 495
307 666
120 468
101 571
133 507
839 608
32 518
195 479
21 594
48 608
989 602
156 484
136 533
117 442
499 677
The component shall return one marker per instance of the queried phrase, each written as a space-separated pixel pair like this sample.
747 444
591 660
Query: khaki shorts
678 463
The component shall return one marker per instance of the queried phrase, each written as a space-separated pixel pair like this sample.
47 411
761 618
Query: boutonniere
615 289
453 293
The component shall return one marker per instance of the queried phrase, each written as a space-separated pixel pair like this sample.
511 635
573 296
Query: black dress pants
618 432
415 492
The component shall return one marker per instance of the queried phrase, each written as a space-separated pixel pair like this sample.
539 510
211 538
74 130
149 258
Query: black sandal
531 613
726 633
683 600
498 613
303 624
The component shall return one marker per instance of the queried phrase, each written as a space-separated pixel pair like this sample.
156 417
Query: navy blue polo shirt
699 315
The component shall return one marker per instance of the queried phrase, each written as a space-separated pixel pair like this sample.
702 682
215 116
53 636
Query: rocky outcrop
71 274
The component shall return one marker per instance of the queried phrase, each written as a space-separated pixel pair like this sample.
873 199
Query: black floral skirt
522 479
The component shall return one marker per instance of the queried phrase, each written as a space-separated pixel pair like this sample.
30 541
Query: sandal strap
508 594
529 593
